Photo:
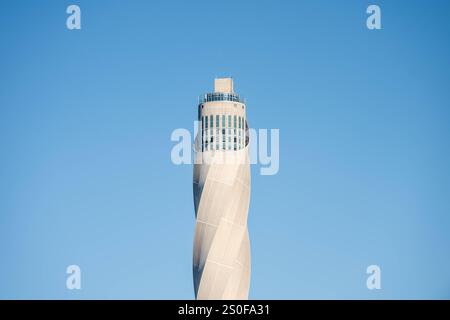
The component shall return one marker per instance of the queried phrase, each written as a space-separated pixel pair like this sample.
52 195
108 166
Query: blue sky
85 124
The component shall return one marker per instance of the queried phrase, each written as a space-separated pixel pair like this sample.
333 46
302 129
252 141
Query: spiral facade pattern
221 185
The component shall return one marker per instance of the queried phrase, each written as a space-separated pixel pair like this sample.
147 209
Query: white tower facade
221 182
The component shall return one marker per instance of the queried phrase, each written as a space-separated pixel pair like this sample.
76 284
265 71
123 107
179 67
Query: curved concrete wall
221 185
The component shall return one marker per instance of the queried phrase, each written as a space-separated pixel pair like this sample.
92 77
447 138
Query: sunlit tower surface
221 182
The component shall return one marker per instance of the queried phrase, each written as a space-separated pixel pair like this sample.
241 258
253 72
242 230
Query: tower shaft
221 185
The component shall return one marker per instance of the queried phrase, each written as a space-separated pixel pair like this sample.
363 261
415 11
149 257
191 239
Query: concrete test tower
221 183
